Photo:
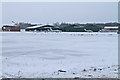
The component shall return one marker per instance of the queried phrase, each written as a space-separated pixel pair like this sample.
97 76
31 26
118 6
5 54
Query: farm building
10 28
110 29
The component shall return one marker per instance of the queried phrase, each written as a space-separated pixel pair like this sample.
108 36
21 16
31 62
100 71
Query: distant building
11 28
110 29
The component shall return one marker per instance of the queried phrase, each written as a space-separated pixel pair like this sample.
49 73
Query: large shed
48 28
11 28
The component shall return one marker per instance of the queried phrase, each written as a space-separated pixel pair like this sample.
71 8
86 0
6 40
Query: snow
33 27
41 55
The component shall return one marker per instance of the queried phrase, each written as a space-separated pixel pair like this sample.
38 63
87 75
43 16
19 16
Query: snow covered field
60 55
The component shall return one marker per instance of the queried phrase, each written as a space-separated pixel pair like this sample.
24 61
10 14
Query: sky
51 12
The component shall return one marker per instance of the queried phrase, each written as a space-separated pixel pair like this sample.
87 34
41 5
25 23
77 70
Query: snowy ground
60 55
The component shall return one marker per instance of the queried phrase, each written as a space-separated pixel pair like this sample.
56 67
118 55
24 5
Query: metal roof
111 27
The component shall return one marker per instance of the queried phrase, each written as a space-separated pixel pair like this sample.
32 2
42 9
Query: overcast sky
50 12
